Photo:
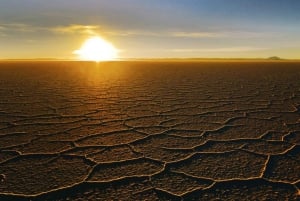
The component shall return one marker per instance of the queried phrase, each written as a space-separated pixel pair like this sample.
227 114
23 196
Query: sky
151 28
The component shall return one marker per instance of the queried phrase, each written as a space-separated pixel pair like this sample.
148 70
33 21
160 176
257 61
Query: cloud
76 29
191 35
92 29
9 29
221 34
68 29
196 34
96 29
16 27
165 34
228 49
133 33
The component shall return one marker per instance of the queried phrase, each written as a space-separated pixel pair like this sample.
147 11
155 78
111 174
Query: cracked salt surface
149 130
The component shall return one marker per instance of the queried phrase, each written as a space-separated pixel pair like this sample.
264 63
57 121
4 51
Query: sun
97 49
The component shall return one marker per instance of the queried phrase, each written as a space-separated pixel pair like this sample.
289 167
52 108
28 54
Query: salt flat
150 130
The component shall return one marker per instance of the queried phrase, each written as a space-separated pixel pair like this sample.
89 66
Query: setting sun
97 49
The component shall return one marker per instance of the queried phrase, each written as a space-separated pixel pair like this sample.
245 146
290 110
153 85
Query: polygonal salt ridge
198 126
240 131
81 132
185 133
269 124
131 168
40 129
282 107
110 139
293 127
114 154
249 189
236 165
76 133
153 130
146 121
274 135
50 119
14 139
222 145
168 141
83 151
293 152
42 173
263 115
284 167
143 111
166 155
178 183
194 110
43 147
292 137
7 155
203 119
267 147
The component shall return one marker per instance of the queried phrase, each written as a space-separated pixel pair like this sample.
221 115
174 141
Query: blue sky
152 28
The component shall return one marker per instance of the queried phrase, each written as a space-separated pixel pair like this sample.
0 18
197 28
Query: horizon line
274 58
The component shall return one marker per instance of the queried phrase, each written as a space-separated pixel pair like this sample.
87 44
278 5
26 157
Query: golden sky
151 29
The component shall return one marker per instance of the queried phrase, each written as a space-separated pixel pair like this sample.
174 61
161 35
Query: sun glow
97 49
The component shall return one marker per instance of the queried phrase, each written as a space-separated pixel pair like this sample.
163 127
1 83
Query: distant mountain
274 58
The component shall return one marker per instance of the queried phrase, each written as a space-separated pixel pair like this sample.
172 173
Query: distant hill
274 58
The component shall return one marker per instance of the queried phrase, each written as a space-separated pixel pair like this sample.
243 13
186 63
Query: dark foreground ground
149 131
